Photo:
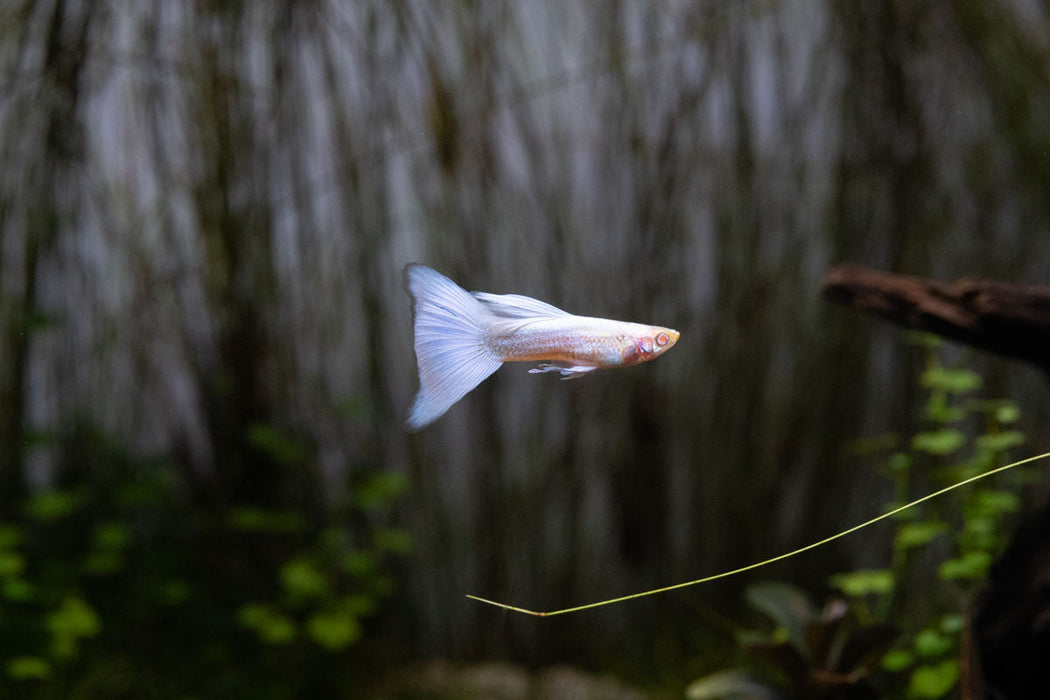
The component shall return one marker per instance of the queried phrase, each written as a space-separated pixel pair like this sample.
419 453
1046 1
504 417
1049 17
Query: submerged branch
1007 319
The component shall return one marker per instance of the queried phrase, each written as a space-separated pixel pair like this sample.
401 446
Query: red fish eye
662 339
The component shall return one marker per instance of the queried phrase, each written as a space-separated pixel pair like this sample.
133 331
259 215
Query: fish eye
662 339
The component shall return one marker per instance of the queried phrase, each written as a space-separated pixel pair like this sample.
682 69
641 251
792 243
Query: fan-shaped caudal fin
450 332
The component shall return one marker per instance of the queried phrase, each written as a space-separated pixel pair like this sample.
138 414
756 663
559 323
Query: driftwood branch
1007 319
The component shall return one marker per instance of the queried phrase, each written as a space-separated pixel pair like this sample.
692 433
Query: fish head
650 343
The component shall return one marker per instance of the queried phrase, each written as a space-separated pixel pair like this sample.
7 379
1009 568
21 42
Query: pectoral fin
567 370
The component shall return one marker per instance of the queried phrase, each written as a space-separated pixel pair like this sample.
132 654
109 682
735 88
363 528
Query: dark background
204 212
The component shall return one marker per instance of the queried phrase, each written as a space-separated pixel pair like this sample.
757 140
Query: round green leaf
918 533
24 668
302 579
939 442
931 642
998 442
955 381
971 566
333 631
934 681
864 582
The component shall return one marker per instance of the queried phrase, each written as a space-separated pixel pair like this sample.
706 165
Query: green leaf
1007 412
939 442
923 339
953 381
277 630
980 532
942 412
990 502
864 582
358 563
73 620
112 535
971 566
10 537
302 579
280 446
11 563
24 668
930 642
333 631
271 627
379 489
786 605
49 506
953 623
900 462
252 614
997 442
934 681
897 660
17 589
108 542
918 533
74 617
252 519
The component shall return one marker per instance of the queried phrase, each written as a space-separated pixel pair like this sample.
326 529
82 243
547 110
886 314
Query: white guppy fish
462 337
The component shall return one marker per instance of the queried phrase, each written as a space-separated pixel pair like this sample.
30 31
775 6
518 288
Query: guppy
462 337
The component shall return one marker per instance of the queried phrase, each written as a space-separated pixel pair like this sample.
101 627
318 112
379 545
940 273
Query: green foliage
787 607
52 505
271 626
252 519
115 568
28 668
962 532
379 489
864 582
809 652
939 442
917 534
933 680
70 622
334 629
324 594
280 446
908 613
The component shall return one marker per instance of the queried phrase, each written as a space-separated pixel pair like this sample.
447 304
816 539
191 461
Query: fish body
462 337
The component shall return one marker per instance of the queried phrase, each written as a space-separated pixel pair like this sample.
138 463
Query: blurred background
206 354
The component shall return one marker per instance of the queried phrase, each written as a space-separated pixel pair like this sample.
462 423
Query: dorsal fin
517 306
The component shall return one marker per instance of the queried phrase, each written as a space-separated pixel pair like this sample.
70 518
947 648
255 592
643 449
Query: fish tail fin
451 328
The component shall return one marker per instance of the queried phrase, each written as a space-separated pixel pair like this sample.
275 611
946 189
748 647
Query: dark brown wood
1007 319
